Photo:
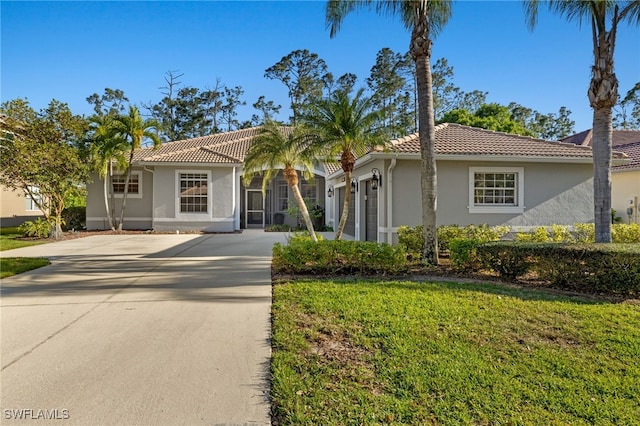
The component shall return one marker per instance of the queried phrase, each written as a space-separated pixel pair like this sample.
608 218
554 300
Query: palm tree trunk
345 206
603 95
106 202
421 53
126 191
305 212
601 146
291 176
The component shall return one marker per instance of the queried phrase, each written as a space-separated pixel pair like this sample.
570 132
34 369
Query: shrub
463 254
584 232
279 228
75 217
622 233
411 237
508 259
330 257
561 234
40 228
540 235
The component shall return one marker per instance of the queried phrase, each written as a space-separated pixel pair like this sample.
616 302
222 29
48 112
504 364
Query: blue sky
69 50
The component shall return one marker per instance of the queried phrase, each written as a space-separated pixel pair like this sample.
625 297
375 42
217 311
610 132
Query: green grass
16 265
442 353
9 239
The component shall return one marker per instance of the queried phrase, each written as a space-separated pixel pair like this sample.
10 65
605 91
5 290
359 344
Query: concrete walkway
139 330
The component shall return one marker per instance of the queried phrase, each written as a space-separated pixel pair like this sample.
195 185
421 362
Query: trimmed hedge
330 257
590 268
411 237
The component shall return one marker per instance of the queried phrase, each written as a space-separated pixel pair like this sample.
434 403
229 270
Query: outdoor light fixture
376 179
354 185
330 191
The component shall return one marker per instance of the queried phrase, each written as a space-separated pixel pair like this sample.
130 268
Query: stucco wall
222 201
625 193
13 208
137 210
553 194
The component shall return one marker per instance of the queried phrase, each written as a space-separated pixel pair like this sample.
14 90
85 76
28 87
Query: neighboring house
16 207
196 185
484 177
625 178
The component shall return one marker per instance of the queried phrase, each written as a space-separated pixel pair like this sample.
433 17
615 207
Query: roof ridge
237 160
166 154
513 135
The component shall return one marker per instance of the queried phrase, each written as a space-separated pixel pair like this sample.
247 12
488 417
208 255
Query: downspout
236 213
153 195
390 200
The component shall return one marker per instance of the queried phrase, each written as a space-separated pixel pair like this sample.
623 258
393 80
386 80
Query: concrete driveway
139 330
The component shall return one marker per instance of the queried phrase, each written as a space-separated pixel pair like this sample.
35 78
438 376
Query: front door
371 212
255 209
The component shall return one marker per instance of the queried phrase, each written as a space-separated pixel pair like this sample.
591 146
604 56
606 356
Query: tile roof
456 139
619 137
226 148
451 139
633 152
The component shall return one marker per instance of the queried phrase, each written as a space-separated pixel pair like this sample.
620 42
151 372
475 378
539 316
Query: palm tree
345 127
133 129
424 18
106 149
603 88
277 148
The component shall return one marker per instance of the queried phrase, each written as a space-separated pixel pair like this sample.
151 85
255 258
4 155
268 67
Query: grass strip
363 352
16 265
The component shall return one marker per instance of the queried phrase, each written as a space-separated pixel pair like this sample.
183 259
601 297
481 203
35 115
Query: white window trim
129 194
194 216
31 205
497 209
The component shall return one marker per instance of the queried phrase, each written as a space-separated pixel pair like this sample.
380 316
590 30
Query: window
282 195
32 199
135 185
496 190
308 190
193 192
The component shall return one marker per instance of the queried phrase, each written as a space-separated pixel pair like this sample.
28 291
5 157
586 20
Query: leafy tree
447 96
229 109
391 82
423 19
345 126
107 149
112 101
488 116
38 155
304 74
279 148
628 110
267 109
604 16
133 129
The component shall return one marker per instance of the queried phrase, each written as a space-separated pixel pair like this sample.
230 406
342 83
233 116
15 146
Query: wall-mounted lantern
376 179
354 185
330 191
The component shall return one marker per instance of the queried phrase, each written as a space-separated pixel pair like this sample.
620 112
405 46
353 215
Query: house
196 184
484 177
625 178
16 207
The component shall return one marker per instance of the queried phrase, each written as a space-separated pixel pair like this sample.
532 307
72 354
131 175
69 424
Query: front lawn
16 265
10 239
368 352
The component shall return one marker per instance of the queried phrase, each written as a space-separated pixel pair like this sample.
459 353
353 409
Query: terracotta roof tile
633 152
619 137
455 139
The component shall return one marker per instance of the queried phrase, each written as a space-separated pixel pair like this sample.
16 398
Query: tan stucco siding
625 193
13 208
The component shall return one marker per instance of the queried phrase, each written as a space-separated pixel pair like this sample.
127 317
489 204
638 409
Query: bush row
580 233
602 268
411 237
329 257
